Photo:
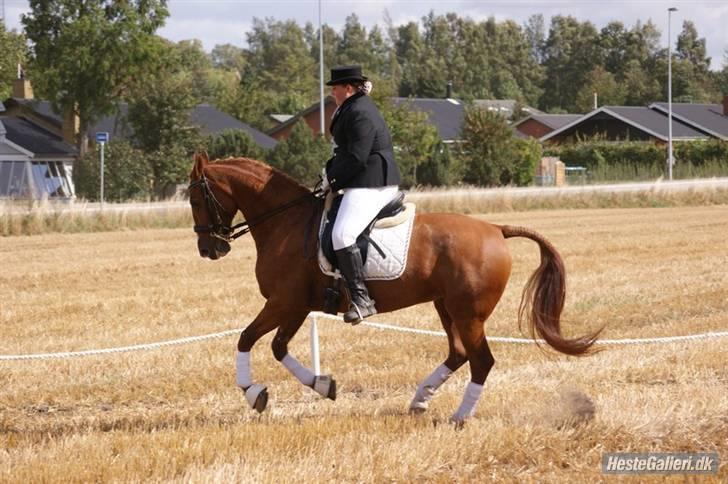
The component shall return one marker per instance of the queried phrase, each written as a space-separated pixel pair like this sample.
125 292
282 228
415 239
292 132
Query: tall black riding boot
352 269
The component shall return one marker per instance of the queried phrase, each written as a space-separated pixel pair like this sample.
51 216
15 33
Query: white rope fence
315 316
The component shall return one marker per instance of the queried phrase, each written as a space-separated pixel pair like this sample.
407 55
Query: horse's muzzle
213 248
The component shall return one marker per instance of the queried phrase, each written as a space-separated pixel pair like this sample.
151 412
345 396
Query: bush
415 143
609 161
442 168
302 155
492 155
235 143
127 174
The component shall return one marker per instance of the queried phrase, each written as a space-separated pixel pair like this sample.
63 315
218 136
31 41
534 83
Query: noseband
225 232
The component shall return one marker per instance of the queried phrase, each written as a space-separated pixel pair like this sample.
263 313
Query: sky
226 21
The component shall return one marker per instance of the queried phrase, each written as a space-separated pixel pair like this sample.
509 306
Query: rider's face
341 92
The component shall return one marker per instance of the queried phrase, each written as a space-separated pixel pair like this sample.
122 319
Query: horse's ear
201 160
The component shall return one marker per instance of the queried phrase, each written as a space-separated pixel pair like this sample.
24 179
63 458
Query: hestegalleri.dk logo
660 463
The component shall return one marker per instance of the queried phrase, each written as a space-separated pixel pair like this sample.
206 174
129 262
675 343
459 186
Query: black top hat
345 74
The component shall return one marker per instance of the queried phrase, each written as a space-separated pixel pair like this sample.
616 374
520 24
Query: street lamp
670 160
321 72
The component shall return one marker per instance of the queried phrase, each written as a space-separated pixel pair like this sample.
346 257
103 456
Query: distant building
37 145
624 123
539 125
445 114
207 118
34 162
711 119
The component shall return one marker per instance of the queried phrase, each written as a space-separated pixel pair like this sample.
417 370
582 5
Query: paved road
514 192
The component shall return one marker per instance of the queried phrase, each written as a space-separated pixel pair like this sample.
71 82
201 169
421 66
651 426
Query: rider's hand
325 181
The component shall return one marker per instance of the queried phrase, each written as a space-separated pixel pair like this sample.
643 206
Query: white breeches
358 208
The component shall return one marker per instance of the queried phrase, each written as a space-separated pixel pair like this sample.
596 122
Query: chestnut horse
460 263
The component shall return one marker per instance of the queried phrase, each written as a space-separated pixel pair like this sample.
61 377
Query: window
13 180
51 179
40 179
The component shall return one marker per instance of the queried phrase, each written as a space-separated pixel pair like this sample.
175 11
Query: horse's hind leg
481 361
323 385
455 359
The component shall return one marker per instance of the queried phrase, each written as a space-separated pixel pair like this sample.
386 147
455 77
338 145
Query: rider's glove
325 181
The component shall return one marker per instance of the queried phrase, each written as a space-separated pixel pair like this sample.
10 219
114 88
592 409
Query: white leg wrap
470 400
303 374
242 366
429 386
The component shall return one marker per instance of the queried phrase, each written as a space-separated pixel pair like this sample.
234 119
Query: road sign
102 137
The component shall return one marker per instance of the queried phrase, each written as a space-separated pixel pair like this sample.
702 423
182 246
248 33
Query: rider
364 169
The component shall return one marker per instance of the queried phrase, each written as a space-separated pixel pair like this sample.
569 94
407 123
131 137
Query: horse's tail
543 297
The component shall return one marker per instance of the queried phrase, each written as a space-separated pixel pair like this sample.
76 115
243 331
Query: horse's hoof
325 386
417 411
257 397
457 423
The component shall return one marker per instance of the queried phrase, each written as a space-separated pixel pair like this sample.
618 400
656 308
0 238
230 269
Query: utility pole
321 71
670 160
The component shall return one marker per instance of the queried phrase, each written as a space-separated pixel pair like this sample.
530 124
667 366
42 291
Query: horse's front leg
267 320
324 385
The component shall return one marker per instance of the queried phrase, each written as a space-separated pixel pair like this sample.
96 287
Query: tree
229 57
692 48
87 53
233 143
12 52
302 155
722 76
602 83
159 114
640 88
249 101
279 60
127 174
491 153
535 30
572 52
413 137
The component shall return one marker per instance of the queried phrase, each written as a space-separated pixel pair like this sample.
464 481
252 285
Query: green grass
621 172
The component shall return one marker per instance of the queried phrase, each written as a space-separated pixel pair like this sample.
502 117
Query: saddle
364 241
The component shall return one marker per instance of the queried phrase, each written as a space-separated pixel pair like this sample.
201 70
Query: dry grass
175 415
46 218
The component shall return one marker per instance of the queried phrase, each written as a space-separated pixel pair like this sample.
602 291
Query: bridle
225 232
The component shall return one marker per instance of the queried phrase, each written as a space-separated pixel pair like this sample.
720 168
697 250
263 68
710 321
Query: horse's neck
258 190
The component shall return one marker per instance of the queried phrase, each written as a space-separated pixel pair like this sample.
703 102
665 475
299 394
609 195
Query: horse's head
213 210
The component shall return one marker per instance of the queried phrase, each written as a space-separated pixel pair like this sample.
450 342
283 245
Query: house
311 116
445 114
207 118
506 107
539 125
37 145
711 119
624 123
34 162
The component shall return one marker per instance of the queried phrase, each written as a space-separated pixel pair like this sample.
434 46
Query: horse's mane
262 172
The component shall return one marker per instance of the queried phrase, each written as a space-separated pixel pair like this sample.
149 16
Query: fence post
315 360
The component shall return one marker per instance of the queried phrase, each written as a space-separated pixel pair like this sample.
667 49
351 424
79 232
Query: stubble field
174 414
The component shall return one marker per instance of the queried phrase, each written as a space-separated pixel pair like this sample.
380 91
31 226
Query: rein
227 233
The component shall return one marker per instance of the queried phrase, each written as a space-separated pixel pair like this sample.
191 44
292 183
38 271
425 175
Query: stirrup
353 308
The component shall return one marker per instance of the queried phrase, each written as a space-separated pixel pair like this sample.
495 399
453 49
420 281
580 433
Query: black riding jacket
363 156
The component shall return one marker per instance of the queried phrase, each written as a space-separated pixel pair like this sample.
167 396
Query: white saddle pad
394 242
